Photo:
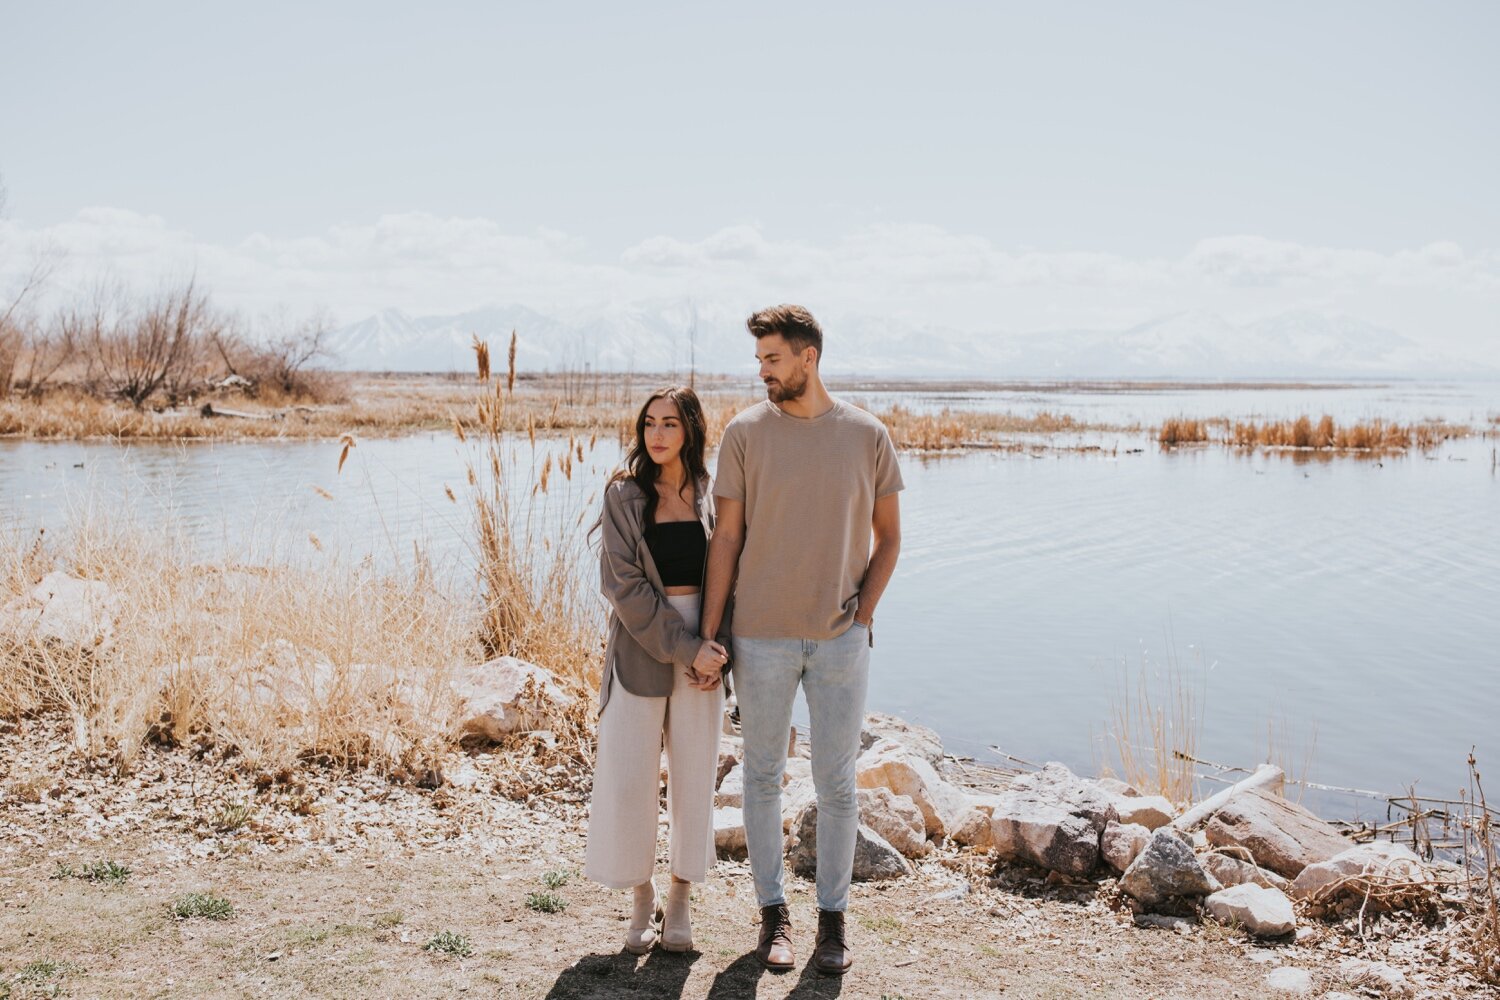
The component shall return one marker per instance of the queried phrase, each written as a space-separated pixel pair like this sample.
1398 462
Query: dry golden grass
1180 430
279 660
1375 435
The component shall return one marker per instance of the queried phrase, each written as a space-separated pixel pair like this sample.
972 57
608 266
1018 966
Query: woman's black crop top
679 549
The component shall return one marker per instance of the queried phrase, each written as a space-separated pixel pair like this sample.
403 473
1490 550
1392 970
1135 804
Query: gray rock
1166 871
1261 911
1119 789
920 739
1122 843
896 818
504 696
1232 871
1279 835
1288 979
1052 818
1182 925
874 859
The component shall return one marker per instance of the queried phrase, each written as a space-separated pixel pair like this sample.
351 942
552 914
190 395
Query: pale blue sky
1129 131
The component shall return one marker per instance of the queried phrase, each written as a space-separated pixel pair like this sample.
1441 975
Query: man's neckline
836 403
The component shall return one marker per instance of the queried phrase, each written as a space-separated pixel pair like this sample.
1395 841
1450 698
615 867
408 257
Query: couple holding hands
772 568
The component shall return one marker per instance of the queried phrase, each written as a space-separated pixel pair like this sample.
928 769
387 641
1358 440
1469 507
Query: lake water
1347 607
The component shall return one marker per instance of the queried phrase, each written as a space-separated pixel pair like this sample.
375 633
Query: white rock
888 764
732 789
1376 976
896 818
729 833
1119 789
64 609
1122 843
1149 811
1261 911
492 705
919 739
1232 871
1379 863
1288 979
794 798
973 828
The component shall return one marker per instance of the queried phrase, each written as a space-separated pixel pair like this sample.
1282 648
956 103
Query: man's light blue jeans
834 674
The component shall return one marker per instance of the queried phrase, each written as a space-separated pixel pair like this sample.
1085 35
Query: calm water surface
1347 611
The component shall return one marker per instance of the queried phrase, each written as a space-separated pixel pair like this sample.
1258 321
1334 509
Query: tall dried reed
280 659
1156 721
532 552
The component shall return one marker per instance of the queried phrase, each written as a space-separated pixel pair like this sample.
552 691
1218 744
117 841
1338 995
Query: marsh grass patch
449 943
545 902
202 904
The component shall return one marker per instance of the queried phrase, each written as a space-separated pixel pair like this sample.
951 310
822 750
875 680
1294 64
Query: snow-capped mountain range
672 336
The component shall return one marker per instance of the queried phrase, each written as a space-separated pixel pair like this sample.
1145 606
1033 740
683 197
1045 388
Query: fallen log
209 410
1266 774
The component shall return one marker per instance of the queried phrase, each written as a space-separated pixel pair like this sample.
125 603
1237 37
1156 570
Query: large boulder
1279 835
1233 871
1261 911
919 739
888 764
1122 843
1380 869
896 818
63 609
874 859
1166 872
504 696
1052 818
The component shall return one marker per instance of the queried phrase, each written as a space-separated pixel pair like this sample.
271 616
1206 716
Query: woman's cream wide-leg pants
627 778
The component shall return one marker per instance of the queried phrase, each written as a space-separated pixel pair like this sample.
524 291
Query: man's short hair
794 323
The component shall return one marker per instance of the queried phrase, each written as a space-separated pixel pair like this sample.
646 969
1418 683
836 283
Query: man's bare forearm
723 560
882 565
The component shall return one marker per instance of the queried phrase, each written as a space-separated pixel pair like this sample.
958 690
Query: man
804 481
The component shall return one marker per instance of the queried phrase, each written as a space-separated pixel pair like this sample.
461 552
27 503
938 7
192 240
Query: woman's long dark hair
643 470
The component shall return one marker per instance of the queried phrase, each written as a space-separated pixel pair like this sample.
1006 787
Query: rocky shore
970 880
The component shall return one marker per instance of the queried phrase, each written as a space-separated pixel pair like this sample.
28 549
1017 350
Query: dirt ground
338 883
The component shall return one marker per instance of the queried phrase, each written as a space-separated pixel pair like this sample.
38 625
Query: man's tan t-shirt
809 487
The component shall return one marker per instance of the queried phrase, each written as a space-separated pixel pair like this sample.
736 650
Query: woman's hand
707 665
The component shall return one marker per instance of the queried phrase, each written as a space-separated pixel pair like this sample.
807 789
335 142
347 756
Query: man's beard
785 392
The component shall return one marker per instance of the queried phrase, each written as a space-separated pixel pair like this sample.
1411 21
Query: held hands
707 665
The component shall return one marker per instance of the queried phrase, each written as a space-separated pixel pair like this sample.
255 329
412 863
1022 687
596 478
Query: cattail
320 491
510 375
482 356
449 490
348 442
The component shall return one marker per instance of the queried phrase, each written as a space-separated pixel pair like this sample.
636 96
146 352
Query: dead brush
1481 939
305 658
924 431
1374 436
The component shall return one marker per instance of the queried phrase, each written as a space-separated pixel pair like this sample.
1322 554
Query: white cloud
424 263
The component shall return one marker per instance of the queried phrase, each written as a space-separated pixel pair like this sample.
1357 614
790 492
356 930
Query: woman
661 679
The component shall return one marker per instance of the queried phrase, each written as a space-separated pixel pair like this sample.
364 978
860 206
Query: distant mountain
670 335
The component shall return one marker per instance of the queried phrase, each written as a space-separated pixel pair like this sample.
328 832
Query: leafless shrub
154 347
279 360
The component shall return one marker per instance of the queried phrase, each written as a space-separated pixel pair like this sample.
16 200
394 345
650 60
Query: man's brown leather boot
831 955
775 948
